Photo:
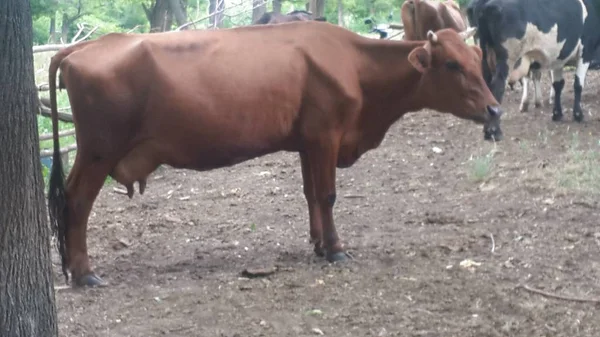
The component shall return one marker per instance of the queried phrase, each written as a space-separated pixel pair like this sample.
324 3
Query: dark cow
534 73
421 16
595 64
295 15
202 100
552 33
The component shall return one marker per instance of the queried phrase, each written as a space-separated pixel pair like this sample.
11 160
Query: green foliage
125 15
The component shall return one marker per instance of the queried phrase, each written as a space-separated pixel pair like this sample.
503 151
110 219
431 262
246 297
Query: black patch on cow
331 199
578 88
591 32
557 111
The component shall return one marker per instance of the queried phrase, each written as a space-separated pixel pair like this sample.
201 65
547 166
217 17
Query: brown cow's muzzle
491 127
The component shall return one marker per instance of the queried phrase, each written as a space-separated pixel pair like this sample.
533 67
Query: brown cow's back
421 16
161 63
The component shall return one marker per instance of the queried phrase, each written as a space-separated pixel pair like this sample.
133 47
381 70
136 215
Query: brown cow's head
452 77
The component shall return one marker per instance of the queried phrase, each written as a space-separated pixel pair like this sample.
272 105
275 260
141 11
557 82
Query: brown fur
202 100
421 16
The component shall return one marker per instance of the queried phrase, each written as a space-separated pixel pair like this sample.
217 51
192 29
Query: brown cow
202 100
421 16
296 15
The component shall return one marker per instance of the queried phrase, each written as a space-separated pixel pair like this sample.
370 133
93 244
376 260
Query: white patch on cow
585 13
581 72
538 46
524 99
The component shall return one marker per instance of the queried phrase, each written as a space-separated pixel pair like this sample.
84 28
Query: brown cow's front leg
323 159
83 185
314 213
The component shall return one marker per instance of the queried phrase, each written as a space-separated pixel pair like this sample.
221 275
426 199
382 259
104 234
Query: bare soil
442 240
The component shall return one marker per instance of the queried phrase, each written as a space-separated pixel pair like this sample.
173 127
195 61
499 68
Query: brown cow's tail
57 198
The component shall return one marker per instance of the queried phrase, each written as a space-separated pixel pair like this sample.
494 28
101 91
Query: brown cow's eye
453 65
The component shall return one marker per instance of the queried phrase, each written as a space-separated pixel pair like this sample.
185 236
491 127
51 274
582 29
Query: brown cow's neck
389 82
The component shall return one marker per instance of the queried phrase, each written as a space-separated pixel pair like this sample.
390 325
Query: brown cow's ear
478 51
420 58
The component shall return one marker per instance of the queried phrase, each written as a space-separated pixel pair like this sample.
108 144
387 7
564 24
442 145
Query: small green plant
481 166
543 136
253 227
580 171
524 145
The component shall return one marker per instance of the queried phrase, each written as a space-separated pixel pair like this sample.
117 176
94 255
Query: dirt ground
446 230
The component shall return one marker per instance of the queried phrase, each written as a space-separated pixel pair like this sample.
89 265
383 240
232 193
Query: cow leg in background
499 80
558 84
314 212
83 185
579 82
536 77
551 94
525 97
322 158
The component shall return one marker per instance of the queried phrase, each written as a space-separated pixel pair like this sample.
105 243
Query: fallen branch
397 34
185 25
57 47
48 153
132 29
354 196
44 111
119 190
48 136
559 297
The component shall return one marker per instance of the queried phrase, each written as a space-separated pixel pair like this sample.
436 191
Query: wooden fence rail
44 106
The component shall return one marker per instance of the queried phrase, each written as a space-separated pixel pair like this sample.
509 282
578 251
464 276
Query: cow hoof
90 280
495 135
557 117
319 250
338 257
538 104
524 108
578 116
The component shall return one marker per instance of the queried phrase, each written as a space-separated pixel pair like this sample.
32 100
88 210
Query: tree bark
177 7
277 6
27 303
317 8
340 12
52 32
258 9
217 7
159 16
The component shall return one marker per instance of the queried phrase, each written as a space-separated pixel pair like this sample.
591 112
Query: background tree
27 304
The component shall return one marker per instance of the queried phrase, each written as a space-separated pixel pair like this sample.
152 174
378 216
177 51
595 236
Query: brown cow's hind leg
314 213
84 184
323 158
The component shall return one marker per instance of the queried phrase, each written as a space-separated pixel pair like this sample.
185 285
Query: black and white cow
473 12
552 33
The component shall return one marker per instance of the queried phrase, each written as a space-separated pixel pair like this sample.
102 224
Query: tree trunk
52 38
159 16
27 304
217 7
179 10
317 8
258 9
340 11
277 6
64 30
